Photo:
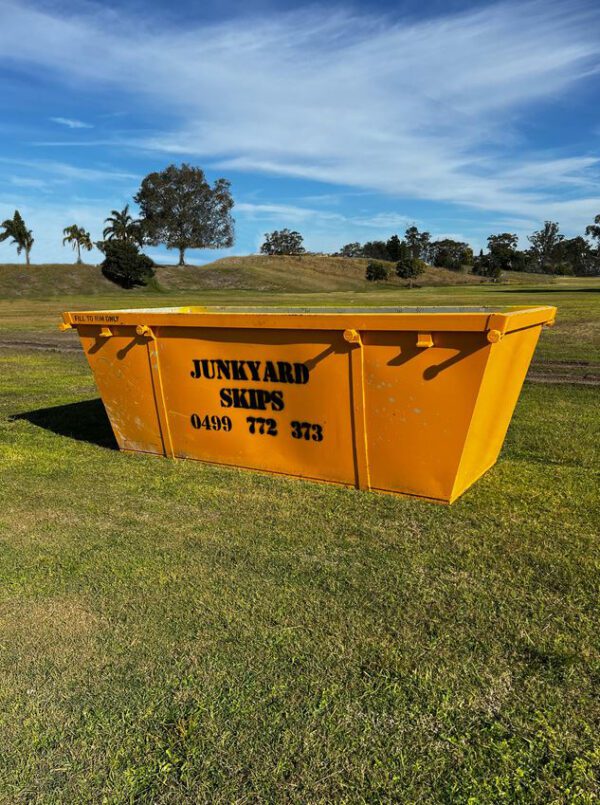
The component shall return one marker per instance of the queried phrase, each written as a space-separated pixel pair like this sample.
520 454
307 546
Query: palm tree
78 238
22 237
121 226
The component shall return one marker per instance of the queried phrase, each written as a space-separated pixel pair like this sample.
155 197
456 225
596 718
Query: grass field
175 632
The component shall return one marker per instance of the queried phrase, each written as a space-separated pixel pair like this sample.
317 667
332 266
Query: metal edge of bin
502 321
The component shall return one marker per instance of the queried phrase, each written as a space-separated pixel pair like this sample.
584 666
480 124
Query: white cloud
389 221
65 171
27 181
283 212
425 109
290 213
70 123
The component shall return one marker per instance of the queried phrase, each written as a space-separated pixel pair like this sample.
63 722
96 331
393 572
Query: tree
181 210
575 256
22 237
124 265
404 252
376 271
78 238
393 248
122 226
521 260
485 266
452 254
283 241
418 242
503 250
593 230
351 250
544 245
375 250
409 268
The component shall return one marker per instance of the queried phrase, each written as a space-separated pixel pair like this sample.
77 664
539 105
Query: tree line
549 252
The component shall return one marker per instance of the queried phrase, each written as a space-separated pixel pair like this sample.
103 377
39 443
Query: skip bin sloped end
505 371
419 406
121 368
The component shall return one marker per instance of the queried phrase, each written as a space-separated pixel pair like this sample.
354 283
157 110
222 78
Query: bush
376 271
124 265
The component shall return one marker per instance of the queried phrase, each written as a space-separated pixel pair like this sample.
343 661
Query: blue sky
345 121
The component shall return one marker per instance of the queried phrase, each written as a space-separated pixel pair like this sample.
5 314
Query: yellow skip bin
415 401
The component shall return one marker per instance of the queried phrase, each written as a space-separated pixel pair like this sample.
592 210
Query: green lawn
174 632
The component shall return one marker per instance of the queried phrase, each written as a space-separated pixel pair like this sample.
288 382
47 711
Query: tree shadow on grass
84 421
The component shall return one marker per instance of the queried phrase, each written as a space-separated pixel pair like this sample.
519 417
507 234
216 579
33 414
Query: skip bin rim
437 319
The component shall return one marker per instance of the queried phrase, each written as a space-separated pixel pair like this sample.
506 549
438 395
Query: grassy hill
306 273
310 273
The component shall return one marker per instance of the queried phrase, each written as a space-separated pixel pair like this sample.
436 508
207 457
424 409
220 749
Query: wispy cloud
70 123
426 109
286 213
290 213
66 171
28 181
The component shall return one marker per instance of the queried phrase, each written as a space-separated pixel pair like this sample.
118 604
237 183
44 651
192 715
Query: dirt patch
41 345
571 379
579 373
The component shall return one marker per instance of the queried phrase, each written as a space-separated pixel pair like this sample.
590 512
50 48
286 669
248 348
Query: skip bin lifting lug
493 336
105 332
64 326
424 340
352 337
144 330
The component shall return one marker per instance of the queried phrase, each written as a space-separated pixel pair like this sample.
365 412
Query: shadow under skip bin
84 421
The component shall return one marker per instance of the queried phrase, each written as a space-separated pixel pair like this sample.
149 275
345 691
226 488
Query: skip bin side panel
502 382
121 369
273 400
419 403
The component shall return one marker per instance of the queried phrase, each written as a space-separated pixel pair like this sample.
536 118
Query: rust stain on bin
415 401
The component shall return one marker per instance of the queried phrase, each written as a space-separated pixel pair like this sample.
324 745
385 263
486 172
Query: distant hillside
308 273
295 274
254 273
